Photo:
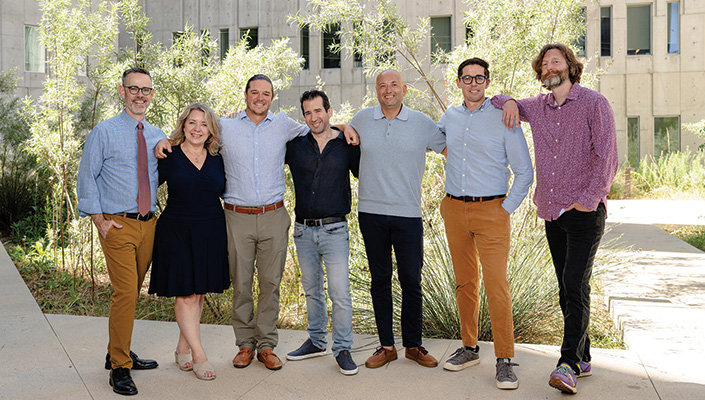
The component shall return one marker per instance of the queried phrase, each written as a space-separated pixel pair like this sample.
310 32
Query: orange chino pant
128 253
479 233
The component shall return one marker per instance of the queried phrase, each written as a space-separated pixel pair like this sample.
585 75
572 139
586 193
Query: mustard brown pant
128 253
479 233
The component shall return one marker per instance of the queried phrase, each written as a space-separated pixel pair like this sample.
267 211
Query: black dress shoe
121 381
137 363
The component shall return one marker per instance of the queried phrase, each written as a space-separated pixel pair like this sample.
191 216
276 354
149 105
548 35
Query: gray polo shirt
393 159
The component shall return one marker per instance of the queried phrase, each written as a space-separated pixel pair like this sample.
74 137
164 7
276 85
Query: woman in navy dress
190 251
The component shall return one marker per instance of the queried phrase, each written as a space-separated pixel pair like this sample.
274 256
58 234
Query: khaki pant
128 253
480 231
261 240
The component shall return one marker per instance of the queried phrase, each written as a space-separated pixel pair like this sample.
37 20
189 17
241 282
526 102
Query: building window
633 141
579 43
440 37
673 28
304 46
251 36
205 50
357 51
606 31
639 29
469 33
667 135
331 46
224 43
33 50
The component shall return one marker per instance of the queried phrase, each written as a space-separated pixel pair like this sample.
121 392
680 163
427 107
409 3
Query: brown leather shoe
243 358
421 356
380 357
269 359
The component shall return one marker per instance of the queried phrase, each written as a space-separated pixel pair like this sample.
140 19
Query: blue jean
381 234
573 239
329 244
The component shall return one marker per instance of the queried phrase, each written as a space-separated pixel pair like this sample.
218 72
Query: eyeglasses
135 89
479 79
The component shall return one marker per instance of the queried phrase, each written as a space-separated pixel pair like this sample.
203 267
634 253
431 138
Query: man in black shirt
320 163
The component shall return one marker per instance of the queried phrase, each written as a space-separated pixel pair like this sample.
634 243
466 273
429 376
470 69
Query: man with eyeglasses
482 156
117 187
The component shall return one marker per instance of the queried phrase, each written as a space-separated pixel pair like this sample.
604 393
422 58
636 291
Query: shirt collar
340 135
127 119
573 94
483 107
403 114
243 115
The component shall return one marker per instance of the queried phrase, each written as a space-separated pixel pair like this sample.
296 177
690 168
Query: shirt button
558 123
551 190
549 202
554 157
553 173
556 140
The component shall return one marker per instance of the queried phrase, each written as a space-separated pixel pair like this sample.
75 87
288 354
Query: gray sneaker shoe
505 377
462 358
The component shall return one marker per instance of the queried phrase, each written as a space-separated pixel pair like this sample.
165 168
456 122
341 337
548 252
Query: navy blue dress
190 247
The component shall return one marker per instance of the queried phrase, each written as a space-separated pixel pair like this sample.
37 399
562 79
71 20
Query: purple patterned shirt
575 148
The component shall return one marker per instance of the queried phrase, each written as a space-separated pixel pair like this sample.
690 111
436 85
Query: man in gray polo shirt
394 140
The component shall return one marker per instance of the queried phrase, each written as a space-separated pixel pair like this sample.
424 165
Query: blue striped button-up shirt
481 150
107 175
254 157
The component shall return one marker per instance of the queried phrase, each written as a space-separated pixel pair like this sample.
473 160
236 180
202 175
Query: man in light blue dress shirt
107 190
476 209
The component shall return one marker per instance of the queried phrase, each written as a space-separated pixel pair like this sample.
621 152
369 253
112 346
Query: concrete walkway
657 298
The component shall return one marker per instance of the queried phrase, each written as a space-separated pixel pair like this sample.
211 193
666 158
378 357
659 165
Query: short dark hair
312 94
575 67
474 61
134 70
259 77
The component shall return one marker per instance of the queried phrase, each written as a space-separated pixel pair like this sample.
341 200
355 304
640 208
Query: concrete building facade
652 52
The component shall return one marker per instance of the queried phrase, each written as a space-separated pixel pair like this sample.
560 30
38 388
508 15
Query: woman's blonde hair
212 144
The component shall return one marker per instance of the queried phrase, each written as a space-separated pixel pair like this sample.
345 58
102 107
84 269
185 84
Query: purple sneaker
585 369
563 379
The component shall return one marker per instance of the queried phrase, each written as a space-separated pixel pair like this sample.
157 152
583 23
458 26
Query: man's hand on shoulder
351 135
232 114
104 225
510 115
163 144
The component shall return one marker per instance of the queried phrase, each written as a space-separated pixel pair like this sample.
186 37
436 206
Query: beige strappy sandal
184 361
201 369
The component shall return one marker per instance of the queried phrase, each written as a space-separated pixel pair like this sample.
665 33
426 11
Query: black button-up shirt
322 179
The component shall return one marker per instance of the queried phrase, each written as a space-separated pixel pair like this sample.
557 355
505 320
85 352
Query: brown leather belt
475 199
254 210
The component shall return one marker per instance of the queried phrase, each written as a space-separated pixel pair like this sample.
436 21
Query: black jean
381 233
573 239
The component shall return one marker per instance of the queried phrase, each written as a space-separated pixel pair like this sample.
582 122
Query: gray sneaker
505 377
462 358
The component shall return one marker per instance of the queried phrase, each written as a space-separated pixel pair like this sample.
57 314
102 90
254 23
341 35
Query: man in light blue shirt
476 212
117 187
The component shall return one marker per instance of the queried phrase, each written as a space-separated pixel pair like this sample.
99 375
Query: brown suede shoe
243 358
380 357
421 356
269 359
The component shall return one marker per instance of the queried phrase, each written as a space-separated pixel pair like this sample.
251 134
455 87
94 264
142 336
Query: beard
553 81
